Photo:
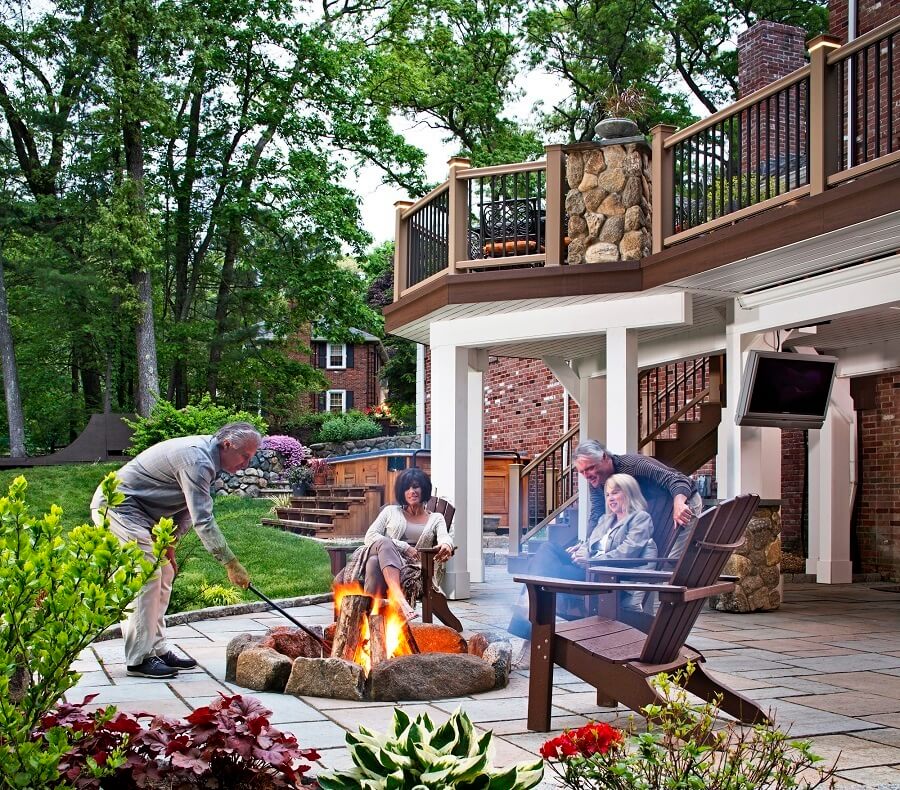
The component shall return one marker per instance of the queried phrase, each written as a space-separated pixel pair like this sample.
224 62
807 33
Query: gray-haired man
173 479
596 464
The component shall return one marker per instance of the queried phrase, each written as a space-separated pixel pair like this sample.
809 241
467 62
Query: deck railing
834 119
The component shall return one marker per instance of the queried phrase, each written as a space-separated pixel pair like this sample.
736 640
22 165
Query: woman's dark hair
410 478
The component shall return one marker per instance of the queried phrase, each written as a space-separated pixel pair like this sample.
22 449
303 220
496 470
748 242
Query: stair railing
541 489
672 393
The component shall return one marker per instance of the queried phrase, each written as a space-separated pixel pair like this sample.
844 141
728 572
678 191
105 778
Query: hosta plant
417 755
60 590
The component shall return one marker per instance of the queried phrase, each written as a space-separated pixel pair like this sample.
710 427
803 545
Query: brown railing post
823 113
458 220
401 268
553 242
662 190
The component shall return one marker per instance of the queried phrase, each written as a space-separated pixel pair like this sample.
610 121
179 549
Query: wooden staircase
330 512
679 412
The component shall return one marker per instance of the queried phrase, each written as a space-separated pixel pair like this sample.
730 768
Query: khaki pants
145 628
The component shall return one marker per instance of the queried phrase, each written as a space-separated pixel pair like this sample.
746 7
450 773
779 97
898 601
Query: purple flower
291 451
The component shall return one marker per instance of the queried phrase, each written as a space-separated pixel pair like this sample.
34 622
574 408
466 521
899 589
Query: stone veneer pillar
757 566
608 202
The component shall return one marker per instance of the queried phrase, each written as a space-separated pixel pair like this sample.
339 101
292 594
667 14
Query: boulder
293 642
326 677
262 669
499 656
235 647
436 638
430 676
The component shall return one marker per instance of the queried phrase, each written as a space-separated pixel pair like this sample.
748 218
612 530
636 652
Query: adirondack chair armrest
629 562
547 584
598 572
685 594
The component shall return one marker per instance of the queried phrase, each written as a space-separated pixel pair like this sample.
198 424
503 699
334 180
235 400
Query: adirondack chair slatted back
664 529
708 549
442 506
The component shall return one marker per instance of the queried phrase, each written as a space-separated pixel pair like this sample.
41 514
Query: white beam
565 375
565 321
869 359
621 390
820 298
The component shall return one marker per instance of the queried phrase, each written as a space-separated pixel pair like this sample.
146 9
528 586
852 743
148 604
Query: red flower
593 738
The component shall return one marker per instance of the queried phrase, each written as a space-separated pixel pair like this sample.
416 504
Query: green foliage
417 754
686 748
405 413
167 422
348 427
299 475
219 595
60 592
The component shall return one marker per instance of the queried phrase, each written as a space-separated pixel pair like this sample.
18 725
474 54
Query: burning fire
396 643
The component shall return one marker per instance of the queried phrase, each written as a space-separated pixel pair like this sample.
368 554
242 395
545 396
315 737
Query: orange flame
396 643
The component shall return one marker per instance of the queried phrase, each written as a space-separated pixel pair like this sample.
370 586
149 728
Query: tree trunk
226 281
14 414
145 335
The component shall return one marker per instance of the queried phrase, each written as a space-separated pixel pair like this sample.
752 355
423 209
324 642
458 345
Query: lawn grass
280 564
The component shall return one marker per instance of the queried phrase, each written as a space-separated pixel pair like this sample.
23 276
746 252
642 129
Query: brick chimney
767 52
869 15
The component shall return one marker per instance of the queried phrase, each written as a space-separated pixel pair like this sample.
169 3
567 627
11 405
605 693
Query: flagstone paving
827 664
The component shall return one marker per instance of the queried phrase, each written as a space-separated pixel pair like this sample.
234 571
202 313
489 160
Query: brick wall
793 478
523 405
361 379
878 521
870 15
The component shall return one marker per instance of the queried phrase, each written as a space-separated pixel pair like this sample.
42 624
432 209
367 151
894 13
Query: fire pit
370 653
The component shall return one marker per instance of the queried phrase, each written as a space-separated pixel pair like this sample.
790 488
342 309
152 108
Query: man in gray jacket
173 479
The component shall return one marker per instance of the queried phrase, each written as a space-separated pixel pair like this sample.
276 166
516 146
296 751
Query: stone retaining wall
402 441
265 471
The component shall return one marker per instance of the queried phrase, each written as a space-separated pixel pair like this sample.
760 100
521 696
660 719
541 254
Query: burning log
349 633
377 640
410 639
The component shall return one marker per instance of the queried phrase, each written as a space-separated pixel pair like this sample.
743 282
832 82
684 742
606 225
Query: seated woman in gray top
625 530
389 558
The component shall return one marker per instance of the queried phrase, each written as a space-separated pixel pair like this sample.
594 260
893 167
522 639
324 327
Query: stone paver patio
827 663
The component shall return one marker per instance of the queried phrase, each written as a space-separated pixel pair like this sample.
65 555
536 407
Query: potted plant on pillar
300 478
620 106
319 467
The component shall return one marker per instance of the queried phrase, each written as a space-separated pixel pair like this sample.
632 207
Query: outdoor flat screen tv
784 390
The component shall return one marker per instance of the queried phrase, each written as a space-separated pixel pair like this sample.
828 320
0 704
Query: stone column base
757 566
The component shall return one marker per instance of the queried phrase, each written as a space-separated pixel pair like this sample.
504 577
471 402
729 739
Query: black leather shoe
173 661
151 667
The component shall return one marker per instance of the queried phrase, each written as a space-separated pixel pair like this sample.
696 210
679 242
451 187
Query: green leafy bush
688 748
348 427
219 595
59 592
417 754
305 426
405 414
167 422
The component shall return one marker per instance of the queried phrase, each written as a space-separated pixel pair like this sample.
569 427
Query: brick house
772 224
353 372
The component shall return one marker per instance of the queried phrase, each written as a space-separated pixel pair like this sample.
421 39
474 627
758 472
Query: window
336 356
336 401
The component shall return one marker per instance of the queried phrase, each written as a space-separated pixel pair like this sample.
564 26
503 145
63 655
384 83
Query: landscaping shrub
348 427
305 426
688 748
167 422
59 592
227 744
417 754
291 451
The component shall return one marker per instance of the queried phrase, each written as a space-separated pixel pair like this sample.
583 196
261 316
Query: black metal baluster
778 143
877 99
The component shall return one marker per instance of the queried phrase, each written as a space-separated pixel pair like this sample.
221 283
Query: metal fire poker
296 622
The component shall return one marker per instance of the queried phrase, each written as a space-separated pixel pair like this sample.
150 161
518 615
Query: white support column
591 425
449 452
621 390
478 362
420 392
749 459
829 490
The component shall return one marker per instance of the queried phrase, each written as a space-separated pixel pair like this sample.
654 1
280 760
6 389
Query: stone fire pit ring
288 661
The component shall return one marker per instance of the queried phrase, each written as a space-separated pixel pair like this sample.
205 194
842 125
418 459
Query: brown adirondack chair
619 660
434 602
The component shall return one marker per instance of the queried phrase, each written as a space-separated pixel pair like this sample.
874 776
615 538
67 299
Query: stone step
495 541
